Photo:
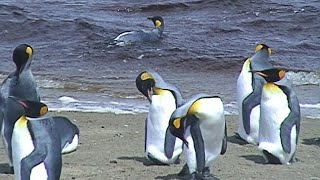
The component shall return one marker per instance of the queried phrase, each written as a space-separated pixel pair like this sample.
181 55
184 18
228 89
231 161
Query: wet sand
112 148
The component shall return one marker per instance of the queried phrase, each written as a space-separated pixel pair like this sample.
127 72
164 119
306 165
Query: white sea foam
123 106
67 100
304 78
72 105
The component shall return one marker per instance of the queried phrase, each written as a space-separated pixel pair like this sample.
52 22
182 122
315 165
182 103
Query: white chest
161 109
244 82
22 146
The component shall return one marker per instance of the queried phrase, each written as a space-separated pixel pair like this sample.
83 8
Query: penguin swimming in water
36 151
249 87
279 118
132 37
161 147
200 124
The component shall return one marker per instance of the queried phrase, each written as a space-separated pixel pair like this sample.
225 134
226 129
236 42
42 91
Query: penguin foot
194 176
9 170
154 161
206 175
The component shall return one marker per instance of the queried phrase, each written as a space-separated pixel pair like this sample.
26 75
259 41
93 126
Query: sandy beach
111 147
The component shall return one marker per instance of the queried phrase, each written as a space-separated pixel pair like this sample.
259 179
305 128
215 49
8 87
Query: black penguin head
32 109
260 47
157 21
21 55
272 75
145 83
176 127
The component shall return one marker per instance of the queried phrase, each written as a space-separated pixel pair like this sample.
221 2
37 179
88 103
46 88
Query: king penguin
279 118
140 36
200 124
36 151
161 147
20 83
249 87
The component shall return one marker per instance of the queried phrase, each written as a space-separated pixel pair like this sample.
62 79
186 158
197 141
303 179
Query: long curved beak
150 93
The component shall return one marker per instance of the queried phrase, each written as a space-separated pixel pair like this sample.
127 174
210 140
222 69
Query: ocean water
202 49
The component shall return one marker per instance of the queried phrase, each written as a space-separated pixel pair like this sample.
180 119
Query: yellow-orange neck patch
247 64
195 107
272 88
159 91
22 121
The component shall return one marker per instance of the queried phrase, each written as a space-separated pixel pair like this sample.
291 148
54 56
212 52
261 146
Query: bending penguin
279 119
36 145
139 36
161 147
201 125
249 87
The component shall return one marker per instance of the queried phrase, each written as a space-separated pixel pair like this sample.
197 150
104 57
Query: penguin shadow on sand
258 159
235 139
142 160
177 177
5 168
311 141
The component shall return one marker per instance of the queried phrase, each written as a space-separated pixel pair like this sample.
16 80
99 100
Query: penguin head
145 83
32 109
260 47
157 21
176 127
272 75
21 55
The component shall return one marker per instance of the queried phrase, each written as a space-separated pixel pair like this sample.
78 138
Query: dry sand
111 147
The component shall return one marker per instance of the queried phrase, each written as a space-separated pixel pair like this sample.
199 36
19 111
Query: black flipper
224 141
198 143
251 101
145 134
169 143
37 156
292 119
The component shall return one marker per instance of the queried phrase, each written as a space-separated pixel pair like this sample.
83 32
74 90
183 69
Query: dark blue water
202 49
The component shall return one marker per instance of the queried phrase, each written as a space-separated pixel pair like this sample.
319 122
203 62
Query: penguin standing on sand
36 150
20 83
201 125
279 119
161 147
140 36
249 87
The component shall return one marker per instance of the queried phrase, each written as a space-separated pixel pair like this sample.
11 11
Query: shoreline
111 147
